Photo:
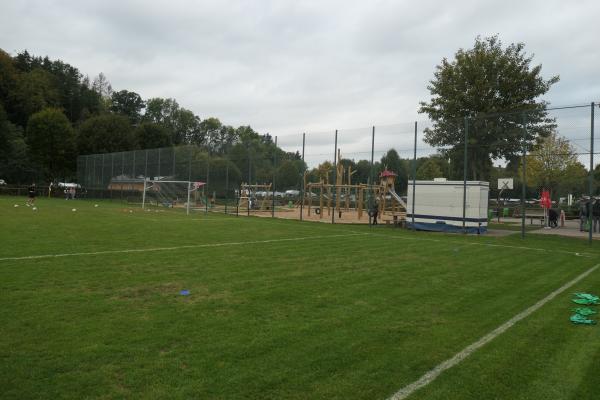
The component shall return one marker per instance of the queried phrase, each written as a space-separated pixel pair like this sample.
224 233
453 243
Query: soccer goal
170 194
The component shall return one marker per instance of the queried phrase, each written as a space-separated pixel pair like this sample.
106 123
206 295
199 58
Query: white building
439 206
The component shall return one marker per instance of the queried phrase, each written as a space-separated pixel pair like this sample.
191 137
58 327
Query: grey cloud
287 67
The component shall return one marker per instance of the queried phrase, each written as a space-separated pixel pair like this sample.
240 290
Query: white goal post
169 194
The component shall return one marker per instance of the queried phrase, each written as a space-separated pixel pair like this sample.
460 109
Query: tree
8 78
491 85
429 170
363 171
575 180
127 103
219 137
151 136
224 175
288 176
105 134
102 86
553 165
14 162
35 91
51 142
182 124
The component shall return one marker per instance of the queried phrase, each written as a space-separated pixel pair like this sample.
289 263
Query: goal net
171 194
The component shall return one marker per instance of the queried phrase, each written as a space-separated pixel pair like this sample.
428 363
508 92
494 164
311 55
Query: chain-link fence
469 173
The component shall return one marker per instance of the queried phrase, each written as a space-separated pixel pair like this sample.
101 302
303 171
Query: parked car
68 185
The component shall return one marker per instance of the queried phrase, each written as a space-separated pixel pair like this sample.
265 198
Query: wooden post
359 205
309 198
321 201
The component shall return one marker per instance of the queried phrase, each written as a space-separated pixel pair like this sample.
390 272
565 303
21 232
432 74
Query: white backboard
505 183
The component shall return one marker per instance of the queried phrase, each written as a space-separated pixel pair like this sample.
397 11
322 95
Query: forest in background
50 113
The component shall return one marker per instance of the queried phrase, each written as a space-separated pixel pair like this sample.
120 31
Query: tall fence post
189 163
274 171
302 188
112 173
158 173
464 218
122 172
414 176
524 177
249 180
146 166
94 172
591 178
207 179
174 158
102 178
226 181
335 177
370 202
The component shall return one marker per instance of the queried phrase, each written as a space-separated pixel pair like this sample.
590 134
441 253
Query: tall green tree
183 125
74 93
35 90
105 133
429 170
151 136
127 103
8 79
491 85
553 165
288 176
51 142
363 172
14 159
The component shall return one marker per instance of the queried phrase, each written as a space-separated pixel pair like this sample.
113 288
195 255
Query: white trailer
438 206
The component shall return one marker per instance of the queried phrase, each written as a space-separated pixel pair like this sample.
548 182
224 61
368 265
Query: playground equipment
344 196
391 205
250 194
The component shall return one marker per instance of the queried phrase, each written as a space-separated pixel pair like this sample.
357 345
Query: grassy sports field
90 307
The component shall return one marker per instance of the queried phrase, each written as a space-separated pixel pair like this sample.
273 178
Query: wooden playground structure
248 196
349 201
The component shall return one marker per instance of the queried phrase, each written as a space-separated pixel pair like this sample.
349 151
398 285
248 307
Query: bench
531 214
541 218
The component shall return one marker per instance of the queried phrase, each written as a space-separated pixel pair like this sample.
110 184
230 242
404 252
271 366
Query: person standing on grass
374 211
596 215
31 193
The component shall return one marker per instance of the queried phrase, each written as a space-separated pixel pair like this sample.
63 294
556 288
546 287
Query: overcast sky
287 67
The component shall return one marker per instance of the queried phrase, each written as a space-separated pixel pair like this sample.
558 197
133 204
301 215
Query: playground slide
397 198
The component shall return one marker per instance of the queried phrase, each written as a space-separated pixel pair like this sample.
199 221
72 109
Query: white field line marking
430 376
191 246
573 253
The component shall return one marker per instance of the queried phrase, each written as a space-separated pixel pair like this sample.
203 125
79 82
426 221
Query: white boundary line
431 375
573 253
191 246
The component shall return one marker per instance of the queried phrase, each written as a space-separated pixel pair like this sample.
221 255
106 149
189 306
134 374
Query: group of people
32 193
70 193
589 214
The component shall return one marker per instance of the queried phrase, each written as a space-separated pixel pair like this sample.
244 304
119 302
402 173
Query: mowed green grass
279 309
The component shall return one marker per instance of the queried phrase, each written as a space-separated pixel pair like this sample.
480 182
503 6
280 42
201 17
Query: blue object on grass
185 293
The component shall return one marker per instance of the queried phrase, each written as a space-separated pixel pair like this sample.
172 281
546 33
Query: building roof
387 173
